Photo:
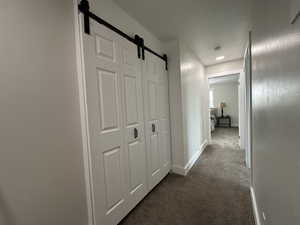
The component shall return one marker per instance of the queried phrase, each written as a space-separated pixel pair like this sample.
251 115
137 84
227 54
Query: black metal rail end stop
84 7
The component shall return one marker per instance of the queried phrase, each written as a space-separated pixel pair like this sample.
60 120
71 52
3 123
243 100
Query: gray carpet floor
215 192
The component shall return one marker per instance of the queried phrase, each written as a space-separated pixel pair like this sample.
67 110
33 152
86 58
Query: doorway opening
227 111
224 107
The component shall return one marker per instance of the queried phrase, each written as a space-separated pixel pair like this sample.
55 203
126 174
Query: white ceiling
202 24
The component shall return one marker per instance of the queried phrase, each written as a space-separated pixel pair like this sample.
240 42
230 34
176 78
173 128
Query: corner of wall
181 80
180 170
172 49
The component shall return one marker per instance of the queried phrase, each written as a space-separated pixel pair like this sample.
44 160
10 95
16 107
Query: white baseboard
178 170
184 170
195 157
255 208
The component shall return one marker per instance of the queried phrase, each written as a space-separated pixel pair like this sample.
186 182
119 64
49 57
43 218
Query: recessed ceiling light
220 57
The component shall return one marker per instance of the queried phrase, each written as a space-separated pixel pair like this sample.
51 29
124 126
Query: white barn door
116 125
164 121
156 109
131 68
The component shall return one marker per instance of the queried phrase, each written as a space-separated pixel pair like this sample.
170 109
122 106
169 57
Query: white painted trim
209 123
83 115
221 74
245 54
255 208
185 170
195 157
248 106
178 170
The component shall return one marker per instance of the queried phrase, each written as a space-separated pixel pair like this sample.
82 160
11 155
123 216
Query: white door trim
226 73
248 101
242 111
83 114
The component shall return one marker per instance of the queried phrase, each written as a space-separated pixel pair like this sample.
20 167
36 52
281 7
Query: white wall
188 105
41 165
194 102
178 159
234 65
114 14
275 111
227 92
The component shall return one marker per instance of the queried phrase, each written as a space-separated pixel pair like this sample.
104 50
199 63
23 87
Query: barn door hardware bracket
84 7
137 42
143 48
166 60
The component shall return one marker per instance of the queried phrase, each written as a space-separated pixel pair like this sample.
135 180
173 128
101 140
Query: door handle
153 127
136 133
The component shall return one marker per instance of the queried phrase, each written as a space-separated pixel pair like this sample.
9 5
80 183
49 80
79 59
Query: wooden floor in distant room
215 192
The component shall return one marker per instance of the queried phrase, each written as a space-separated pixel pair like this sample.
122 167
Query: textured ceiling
201 24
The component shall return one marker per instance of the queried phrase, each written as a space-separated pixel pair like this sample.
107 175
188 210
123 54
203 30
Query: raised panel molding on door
104 104
114 102
156 110
164 128
151 118
133 123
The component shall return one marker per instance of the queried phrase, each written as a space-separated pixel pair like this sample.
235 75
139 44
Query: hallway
215 192
107 107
